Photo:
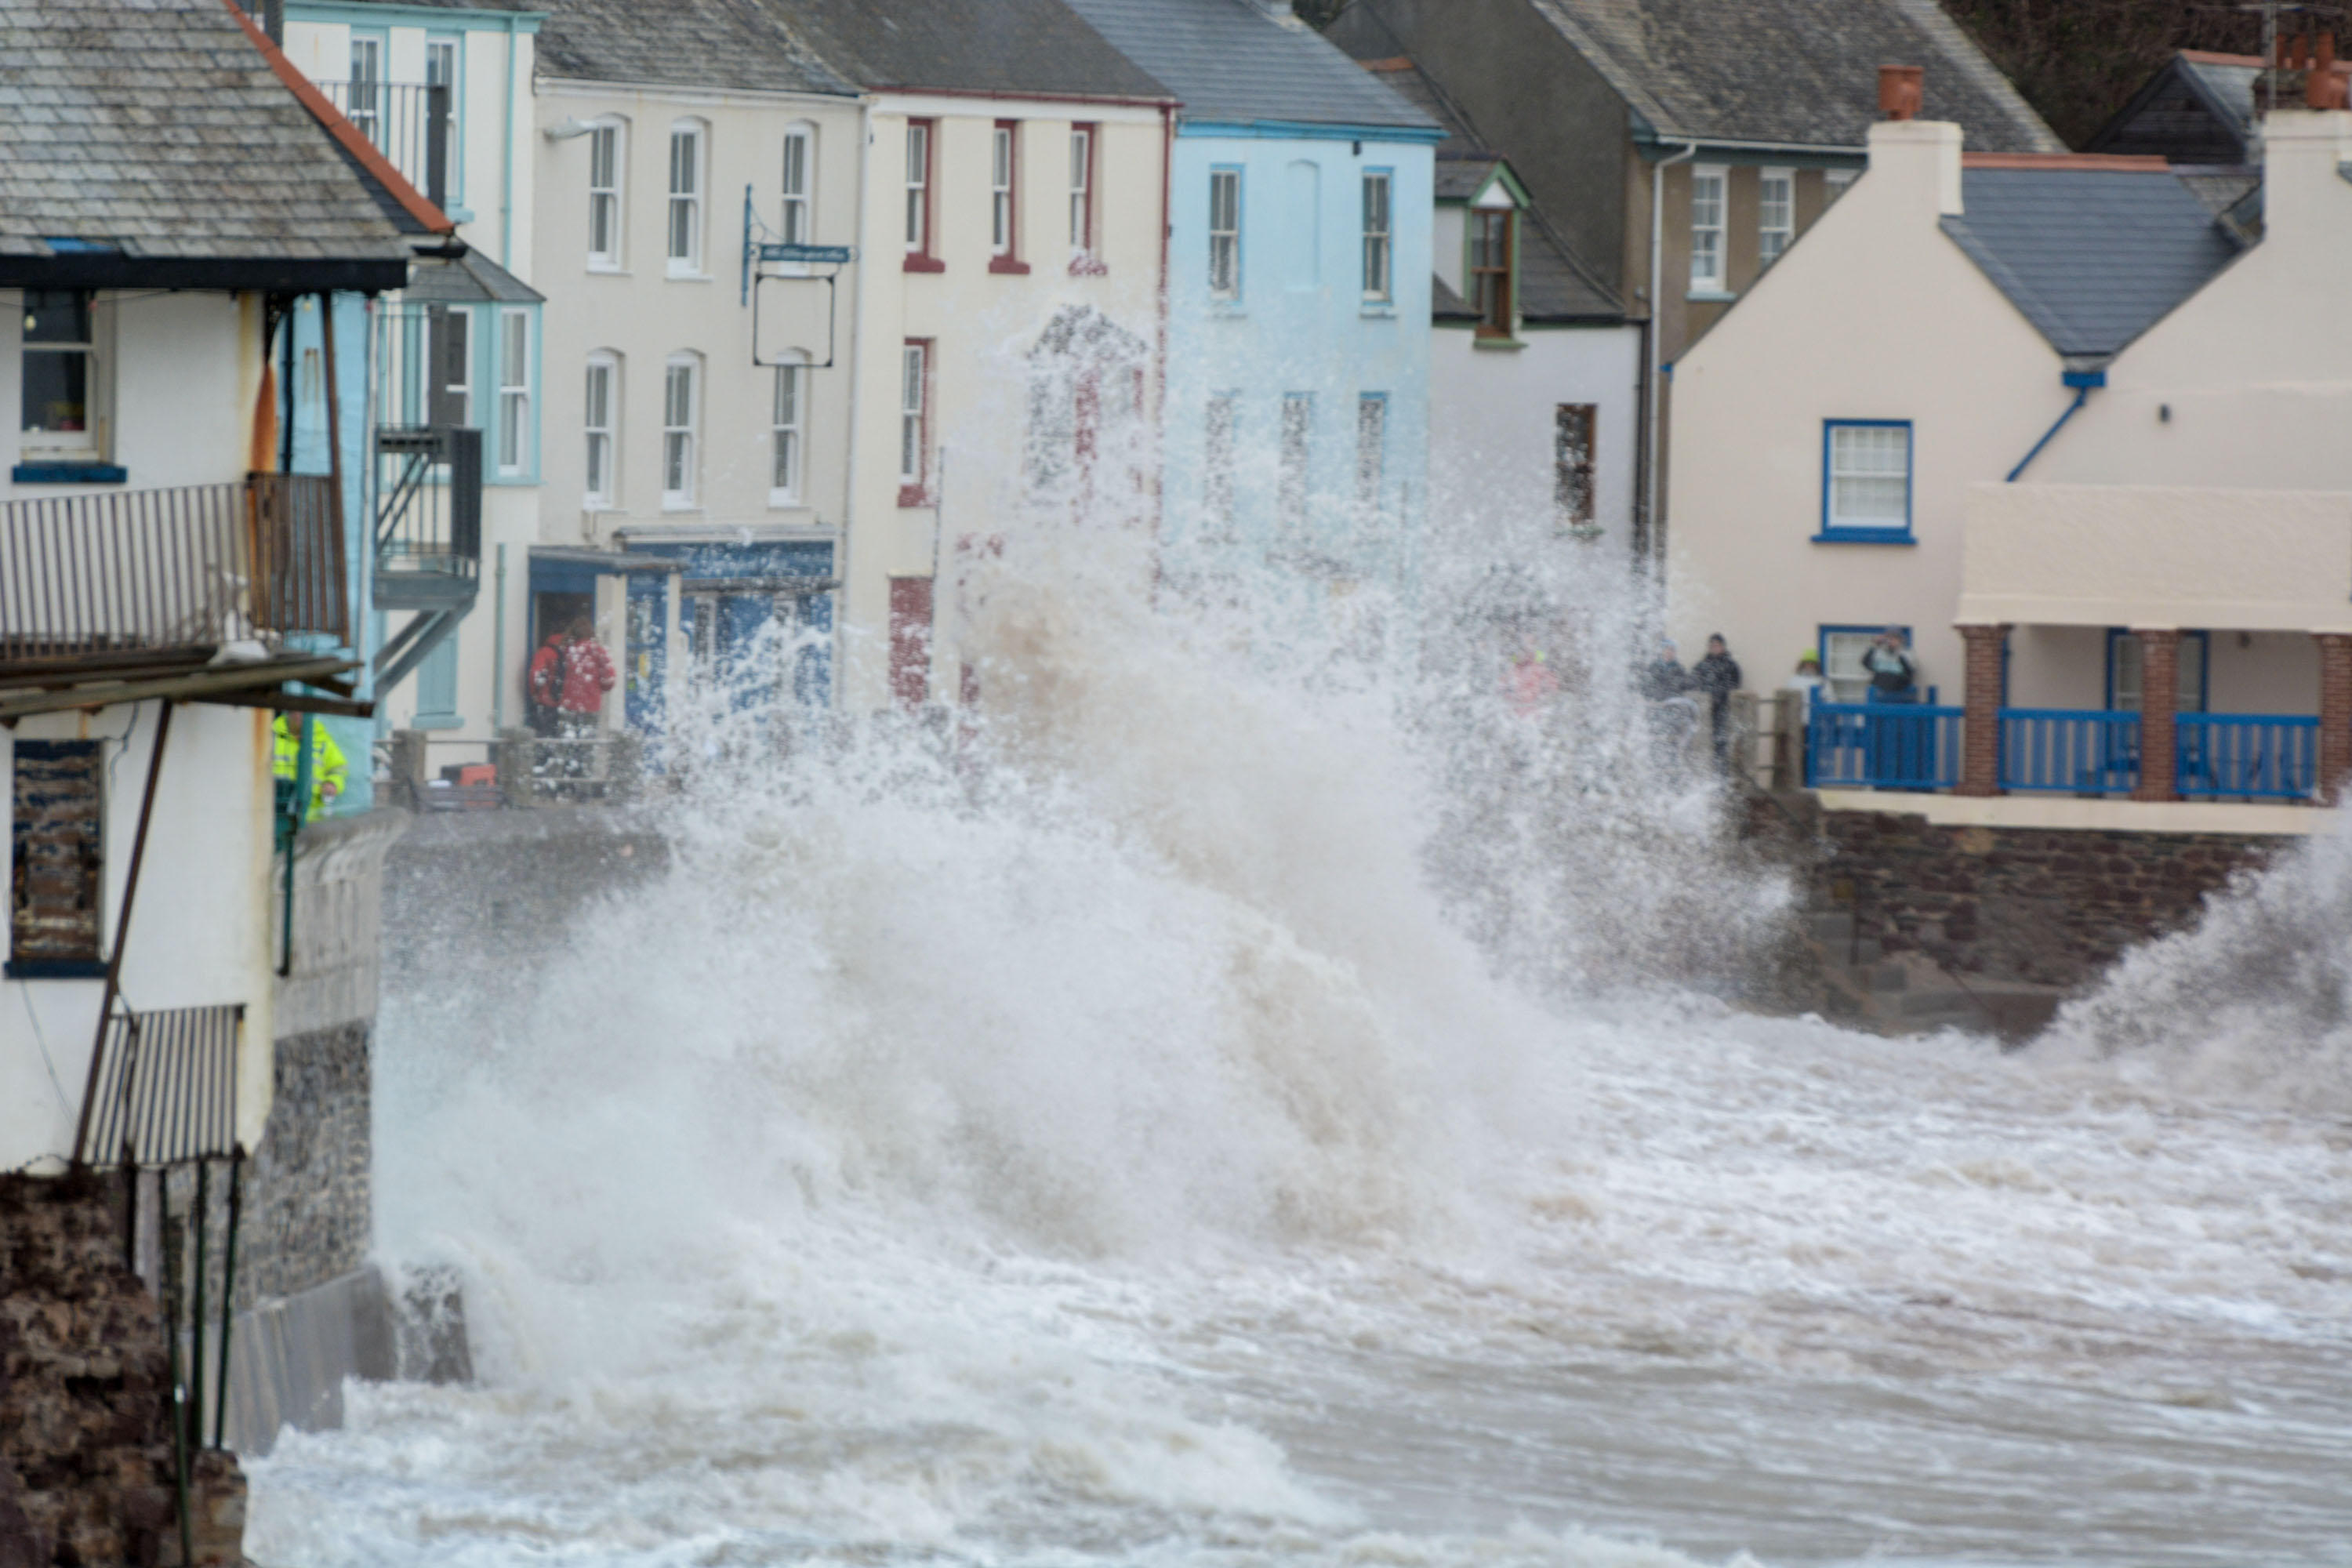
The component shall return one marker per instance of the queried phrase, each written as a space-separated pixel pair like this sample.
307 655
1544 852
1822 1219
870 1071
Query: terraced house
1681 147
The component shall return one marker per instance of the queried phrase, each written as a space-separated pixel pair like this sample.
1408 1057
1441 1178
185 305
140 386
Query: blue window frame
2196 650
1867 467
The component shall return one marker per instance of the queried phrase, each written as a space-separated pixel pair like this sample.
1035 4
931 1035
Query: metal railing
2253 756
428 502
1883 745
2069 751
122 576
408 122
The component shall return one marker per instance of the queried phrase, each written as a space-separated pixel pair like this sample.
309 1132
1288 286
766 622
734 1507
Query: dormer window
1493 251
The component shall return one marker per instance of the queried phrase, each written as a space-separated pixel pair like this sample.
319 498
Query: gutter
2083 382
1652 537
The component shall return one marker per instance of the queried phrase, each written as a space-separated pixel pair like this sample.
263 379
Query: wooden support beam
206 682
289 702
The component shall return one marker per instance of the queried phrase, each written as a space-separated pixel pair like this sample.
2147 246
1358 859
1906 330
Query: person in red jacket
545 686
587 676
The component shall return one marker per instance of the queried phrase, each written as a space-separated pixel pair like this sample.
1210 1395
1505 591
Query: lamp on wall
567 131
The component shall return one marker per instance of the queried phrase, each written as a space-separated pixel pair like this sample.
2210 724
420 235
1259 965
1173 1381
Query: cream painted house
2076 424
699 396
1008 331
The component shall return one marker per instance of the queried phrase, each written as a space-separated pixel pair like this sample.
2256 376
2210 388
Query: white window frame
1004 181
609 137
684 215
1225 233
788 434
919 186
1710 198
463 387
796 186
1836 182
87 444
1372 453
600 431
1776 214
681 418
1380 237
1084 143
454 44
1295 467
1220 449
363 103
514 391
914 414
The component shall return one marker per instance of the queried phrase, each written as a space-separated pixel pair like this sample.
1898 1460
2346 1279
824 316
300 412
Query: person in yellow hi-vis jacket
326 760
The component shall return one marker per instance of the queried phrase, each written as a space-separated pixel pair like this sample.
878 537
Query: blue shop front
752 619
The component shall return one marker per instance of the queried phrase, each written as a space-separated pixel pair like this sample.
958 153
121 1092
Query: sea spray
1106 1127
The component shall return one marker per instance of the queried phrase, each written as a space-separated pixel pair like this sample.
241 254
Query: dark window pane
56 392
55 316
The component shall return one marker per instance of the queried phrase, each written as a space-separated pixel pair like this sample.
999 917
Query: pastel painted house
698 220
448 471
2075 425
1002 346
1296 430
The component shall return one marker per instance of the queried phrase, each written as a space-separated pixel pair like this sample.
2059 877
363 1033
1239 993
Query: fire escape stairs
428 538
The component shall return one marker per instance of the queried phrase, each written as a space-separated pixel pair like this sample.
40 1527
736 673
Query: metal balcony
409 124
428 536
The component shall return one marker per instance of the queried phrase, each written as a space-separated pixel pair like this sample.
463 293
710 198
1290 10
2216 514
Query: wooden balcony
196 590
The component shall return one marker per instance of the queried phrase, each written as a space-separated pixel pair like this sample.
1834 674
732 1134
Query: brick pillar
2334 712
1981 727
2159 701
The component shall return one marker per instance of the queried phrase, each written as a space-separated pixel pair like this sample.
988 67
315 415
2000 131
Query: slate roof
2093 257
746 45
1231 61
1551 288
155 129
967 45
1791 71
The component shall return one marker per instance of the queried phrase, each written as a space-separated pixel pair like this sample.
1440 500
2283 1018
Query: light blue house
1297 419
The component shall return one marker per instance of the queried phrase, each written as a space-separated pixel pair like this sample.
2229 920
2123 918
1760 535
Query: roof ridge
2107 163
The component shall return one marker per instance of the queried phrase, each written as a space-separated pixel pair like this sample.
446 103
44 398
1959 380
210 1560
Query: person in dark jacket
545 687
1717 675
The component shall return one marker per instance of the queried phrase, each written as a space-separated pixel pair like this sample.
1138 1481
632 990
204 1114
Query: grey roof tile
1801 72
742 44
1230 60
972 46
2093 257
157 125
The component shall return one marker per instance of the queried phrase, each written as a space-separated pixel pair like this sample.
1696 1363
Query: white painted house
1535 371
2076 424
160 578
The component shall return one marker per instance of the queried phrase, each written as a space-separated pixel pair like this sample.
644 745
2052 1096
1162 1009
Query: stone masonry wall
308 1197
2037 906
86 1455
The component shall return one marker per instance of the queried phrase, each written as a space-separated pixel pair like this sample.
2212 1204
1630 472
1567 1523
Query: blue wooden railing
1882 745
2069 751
2061 750
2257 756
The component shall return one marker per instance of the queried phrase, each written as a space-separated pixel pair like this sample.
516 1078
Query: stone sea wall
2038 906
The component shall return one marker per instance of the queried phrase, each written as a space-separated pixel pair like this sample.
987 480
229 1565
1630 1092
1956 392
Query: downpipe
1652 536
2083 382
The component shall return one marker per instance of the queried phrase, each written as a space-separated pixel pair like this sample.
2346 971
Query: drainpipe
1159 413
2082 381
498 648
506 159
845 593
1652 537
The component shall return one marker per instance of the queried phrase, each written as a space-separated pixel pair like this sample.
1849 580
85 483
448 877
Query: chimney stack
2324 88
1900 89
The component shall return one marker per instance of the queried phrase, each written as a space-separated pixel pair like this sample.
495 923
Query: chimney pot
1899 90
